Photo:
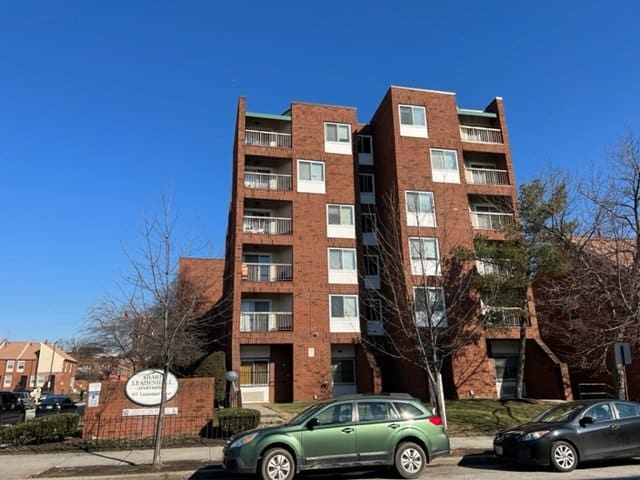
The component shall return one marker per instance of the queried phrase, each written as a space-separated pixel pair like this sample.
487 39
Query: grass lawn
465 417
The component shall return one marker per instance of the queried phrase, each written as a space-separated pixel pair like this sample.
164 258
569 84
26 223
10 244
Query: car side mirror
314 422
586 421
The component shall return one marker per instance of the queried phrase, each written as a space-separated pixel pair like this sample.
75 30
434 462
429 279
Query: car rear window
627 410
408 411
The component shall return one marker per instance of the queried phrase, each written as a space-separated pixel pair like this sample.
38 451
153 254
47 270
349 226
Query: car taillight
436 420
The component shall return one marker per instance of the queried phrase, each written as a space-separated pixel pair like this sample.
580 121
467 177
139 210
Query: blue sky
106 106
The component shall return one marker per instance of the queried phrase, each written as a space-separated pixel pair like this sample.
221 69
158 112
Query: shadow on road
215 472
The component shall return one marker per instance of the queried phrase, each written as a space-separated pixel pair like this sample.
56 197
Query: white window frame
444 175
20 366
343 275
311 185
365 158
420 264
341 230
7 381
341 144
368 197
419 218
348 323
438 317
11 364
413 129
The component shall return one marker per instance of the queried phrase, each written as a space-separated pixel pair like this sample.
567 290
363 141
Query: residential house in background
27 365
301 251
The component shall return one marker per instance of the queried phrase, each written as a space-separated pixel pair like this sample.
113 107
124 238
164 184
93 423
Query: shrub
235 420
214 365
50 428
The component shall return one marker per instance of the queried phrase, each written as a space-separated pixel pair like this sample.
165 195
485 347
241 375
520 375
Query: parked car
26 399
360 430
11 409
56 404
570 433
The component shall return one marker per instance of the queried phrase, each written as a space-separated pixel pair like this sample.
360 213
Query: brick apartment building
27 365
307 191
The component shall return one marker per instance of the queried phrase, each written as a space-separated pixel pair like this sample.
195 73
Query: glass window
408 411
600 412
364 144
337 132
371 265
10 365
344 306
7 381
627 410
340 214
368 223
20 367
424 256
340 413
373 310
254 372
429 306
419 202
371 411
366 183
412 115
342 259
311 171
343 370
444 166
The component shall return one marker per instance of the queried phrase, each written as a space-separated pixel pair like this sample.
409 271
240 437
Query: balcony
492 220
267 272
267 138
266 225
266 321
506 317
480 134
486 176
267 181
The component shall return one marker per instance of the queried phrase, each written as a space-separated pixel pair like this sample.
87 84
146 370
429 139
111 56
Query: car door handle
348 430
393 425
613 427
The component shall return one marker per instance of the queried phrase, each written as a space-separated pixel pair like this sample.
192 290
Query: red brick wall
194 401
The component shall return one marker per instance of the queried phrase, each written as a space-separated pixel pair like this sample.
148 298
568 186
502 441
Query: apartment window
342 265
367 188
444 166
373 315
7 381
369 227
371 271
365 150
10 365
420 210
254 372
429 306
343 370
40 380
340 221
311 176
413 121
424 256
344 306
337 138
20 366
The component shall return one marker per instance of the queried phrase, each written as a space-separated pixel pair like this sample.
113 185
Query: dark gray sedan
573 432
56 404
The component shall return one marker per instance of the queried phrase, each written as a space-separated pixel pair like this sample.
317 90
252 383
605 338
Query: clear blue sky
105 106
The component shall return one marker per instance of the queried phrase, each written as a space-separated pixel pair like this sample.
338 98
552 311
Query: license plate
48 407
499 450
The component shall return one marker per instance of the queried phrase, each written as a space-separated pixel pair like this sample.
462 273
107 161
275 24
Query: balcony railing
492 220
266 321
486 267
267 272
480 134
267 181
486 176
266 225
506 316
267 139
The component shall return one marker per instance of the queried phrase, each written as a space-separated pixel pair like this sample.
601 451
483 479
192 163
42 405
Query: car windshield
559 413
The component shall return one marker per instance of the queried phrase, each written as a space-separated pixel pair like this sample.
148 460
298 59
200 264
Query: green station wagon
354 431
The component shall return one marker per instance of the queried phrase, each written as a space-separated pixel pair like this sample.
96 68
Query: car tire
277 464
563 456
410 460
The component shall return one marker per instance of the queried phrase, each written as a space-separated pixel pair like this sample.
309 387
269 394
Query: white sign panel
93 399
137 412
145 387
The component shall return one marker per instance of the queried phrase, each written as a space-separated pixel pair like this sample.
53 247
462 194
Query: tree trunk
522 356
442 409
160 422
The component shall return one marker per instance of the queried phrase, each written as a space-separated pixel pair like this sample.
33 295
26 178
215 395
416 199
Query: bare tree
431 307
599 232
160 319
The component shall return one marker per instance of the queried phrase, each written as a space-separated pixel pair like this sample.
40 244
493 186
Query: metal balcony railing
506 316
266 225
267 181
492 220
480 134
267 272
486 176
267 139
266 321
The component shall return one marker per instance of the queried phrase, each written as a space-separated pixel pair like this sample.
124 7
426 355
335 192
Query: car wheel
277 464
410 460
564 457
